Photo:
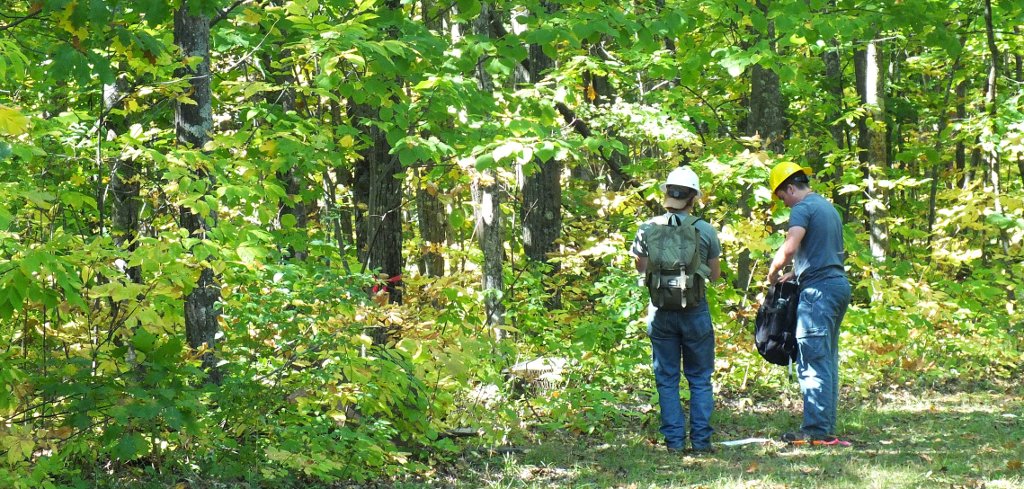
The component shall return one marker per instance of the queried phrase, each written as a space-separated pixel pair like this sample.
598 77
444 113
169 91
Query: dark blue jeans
822 307
686 334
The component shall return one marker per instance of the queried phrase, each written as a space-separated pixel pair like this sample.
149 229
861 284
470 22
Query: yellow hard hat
782 171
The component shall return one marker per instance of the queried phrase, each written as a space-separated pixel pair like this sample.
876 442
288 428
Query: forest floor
898 440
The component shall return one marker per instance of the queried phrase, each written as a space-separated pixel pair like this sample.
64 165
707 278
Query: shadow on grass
934 440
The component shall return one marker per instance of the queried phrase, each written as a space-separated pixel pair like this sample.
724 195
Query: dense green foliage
99 386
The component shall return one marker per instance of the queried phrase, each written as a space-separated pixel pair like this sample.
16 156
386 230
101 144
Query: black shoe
703 450
675 449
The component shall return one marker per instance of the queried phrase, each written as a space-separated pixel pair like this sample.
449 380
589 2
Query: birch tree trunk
872 144
990 146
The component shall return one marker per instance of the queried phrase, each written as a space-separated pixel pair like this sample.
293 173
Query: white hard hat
683 177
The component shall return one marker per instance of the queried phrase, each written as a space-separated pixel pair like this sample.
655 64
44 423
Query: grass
900 440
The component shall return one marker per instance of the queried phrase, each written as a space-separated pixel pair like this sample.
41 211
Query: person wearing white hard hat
677 253
814 246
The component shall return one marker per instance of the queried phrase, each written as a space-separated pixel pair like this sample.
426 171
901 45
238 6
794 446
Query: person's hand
787 277
774 277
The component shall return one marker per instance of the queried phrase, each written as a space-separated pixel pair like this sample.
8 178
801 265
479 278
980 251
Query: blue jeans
687 334
823 304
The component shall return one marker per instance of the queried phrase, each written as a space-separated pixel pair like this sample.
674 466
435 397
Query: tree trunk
432 219
291 178
1019 76
487 200
961 148
991 155
433 226
766 118
380 192
381 226
124 185
834 86
542 189
193 123
127 204
871 144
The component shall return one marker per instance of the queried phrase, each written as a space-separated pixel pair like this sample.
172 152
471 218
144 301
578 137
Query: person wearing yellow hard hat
814 247
677 253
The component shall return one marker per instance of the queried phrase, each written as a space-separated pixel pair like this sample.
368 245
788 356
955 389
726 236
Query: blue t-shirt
821 251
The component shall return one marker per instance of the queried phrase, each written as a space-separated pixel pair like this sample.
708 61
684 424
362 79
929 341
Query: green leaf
485 162
468 9
143 340
12 122
131 447
249 254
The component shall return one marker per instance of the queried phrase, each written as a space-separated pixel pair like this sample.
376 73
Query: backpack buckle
674 281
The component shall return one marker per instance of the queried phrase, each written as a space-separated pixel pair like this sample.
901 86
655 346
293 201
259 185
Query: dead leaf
752 468
1014 464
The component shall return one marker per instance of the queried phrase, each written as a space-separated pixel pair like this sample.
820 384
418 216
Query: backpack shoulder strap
698 263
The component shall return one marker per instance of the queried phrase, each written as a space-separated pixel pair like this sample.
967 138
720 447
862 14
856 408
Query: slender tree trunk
991 155
126 204
291 178
766 118
193 124
487 200
1019 76
872 144
834 86
939 144
961 148
542 189
342 206
433 226
124 185
432 220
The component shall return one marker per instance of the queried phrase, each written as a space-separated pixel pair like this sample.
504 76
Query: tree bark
991 155
834 86
292 179
376 183
433 226
124 185
872 144
193 123
1019 76
542 189
432 220
961 148
487 200
766 118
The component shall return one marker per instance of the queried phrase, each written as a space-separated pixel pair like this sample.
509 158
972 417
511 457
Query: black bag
775 325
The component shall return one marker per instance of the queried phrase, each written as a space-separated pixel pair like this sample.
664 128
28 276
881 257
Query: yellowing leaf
64 22
12 122
346 141
269 147
251 16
